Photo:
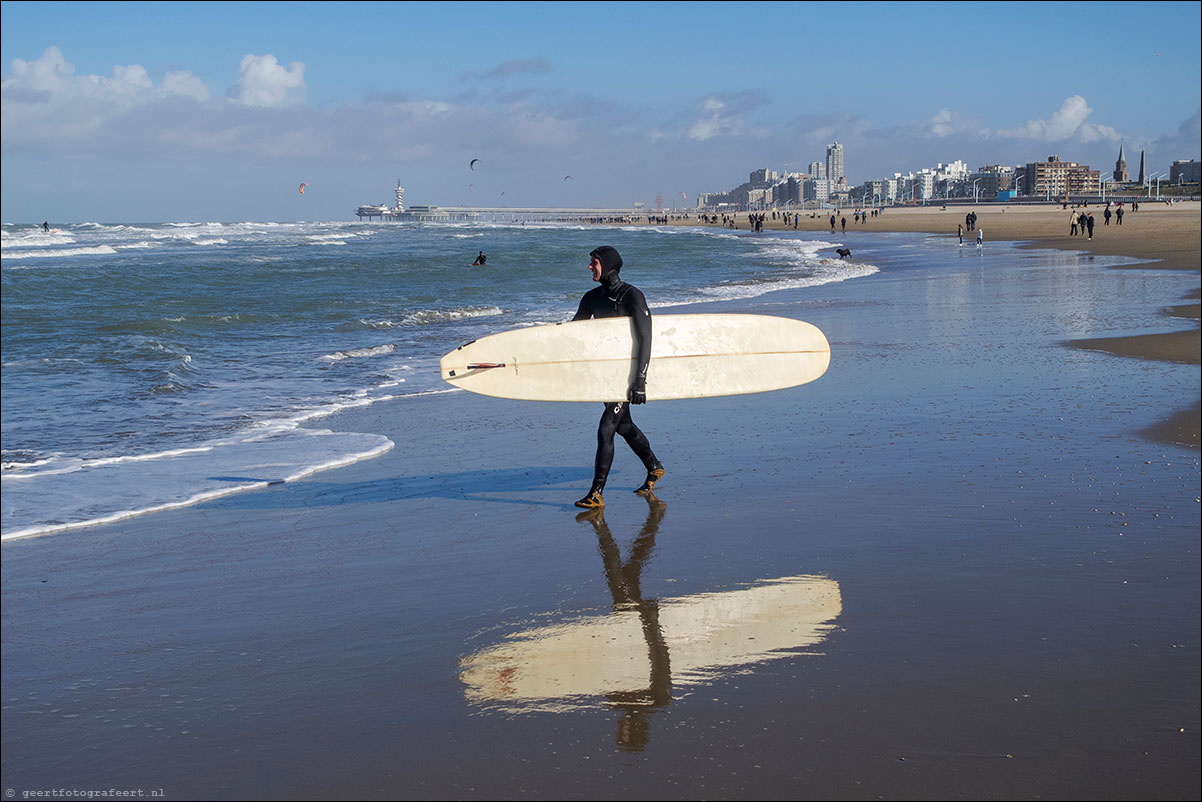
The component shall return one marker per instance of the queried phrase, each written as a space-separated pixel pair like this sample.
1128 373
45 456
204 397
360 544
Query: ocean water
149 366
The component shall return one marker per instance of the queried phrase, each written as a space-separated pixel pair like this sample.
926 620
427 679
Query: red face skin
594 267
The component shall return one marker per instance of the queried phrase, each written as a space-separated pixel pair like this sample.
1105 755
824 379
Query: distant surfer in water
480 260
616 298
46 226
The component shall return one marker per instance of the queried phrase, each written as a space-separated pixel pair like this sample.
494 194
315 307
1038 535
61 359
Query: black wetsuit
616 298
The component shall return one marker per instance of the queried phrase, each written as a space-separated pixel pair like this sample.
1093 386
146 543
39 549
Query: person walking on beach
616 298
960 234
980 237
1089 224
1118 215
1072 219
832 223
844 222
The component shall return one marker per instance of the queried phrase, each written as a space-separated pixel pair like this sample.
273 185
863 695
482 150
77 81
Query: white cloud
51 79
264 82
725 115
49 73
943 123
1063 123
184 84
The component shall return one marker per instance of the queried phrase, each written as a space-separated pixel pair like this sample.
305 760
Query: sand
950 568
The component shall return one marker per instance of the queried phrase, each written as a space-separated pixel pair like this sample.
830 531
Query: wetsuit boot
654 474
593 500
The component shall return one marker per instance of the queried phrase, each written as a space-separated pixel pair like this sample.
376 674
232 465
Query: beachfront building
904 183
817 169
1184 172
817 190
791 191
744 195
1055 178
834 162
989 180
871 192
954 171
889 190
1121 176
762 177
951 179
924 184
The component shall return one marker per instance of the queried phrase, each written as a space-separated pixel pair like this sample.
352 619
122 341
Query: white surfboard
574 663
692 356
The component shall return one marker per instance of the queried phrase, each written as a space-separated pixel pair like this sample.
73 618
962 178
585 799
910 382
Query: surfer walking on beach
616 298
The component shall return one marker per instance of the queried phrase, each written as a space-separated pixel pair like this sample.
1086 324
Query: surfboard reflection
633 658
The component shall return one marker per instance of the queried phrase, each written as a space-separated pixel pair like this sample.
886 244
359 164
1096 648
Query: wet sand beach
1159 235
950 568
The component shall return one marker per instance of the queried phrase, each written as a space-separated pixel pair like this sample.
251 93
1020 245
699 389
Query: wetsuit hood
611 263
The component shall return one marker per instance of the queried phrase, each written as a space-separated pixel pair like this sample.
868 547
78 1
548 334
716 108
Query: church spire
1121 175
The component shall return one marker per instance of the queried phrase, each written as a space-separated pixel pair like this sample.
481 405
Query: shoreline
1163 237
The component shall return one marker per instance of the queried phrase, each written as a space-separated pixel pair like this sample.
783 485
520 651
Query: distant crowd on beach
756 220
1082 223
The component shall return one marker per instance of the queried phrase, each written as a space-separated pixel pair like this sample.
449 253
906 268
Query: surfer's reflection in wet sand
624 580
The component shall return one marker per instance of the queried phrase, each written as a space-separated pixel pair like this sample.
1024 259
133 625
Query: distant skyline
142 112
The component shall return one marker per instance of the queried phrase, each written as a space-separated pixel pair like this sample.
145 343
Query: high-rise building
1120 169
761 176
817 170
834 161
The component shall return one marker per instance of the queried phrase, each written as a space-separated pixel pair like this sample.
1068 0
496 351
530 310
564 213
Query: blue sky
218 111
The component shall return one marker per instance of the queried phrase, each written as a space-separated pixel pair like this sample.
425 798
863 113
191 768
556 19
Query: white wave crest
357 353
95 250
34 239
827 271
428 316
